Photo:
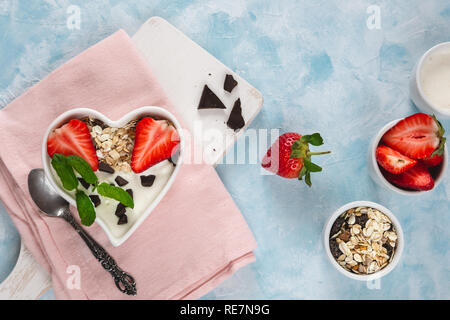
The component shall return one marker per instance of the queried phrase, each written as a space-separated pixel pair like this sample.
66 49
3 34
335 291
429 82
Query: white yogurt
142 196
435 78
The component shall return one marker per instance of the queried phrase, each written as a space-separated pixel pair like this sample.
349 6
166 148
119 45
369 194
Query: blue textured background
319 68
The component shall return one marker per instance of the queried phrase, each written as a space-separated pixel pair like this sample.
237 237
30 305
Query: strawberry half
416 136
73 138
434 160
155 141
393 161
416 178
289 156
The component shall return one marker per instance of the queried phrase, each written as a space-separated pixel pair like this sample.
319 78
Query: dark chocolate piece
120 210
103 166
84 183
95 200
130 192
236 121
120 181
123 220
209 100
147 181
229 83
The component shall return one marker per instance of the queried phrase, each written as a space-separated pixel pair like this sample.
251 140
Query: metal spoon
52 204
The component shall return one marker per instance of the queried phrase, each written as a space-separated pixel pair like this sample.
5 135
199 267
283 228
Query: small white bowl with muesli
363 240
114 172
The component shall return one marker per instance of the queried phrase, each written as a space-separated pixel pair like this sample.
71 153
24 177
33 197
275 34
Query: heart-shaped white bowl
135 114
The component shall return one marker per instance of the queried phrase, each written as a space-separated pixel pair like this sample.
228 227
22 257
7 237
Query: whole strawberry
289 156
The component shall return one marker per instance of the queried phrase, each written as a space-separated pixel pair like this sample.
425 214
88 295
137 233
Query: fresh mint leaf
64 171
83 168
85 208
115 193
312 167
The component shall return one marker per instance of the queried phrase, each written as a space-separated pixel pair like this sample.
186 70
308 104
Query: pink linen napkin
193 240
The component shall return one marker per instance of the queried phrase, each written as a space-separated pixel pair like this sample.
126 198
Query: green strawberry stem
317 153
300 150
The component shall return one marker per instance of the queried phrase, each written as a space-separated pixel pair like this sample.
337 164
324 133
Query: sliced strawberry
155 141
416 178
393 161
433 160
438 155
73 138
416 136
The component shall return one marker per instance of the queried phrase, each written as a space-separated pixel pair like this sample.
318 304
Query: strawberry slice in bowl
393 161
416 178
73 138
416 136
156 140
417 139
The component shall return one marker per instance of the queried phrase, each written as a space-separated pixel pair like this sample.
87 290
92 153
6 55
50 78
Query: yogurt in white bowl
145 198
430 81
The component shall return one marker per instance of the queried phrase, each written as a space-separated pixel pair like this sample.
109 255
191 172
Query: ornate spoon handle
124 282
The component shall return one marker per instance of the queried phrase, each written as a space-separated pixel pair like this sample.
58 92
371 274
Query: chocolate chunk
120 181
103 166
209 100
130 192
120 210
229 83
147 181
84 183
236 121
95 200
123 220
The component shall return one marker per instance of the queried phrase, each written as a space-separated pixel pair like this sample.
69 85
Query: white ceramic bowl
135 114
415 88
378 177
398 250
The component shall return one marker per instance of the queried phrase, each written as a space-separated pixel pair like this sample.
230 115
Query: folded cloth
193 240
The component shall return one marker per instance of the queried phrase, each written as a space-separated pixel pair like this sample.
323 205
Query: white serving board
182 68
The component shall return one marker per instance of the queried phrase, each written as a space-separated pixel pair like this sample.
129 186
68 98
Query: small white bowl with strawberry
409 156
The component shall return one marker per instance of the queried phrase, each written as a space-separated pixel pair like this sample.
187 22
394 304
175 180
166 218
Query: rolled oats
113 145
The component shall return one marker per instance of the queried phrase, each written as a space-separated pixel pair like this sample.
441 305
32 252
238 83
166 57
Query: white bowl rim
135 113
437 47
398 251
381 177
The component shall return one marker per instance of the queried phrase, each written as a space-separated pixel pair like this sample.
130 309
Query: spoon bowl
44 195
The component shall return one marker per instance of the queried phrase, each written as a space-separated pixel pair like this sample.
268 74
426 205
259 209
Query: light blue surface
319 68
